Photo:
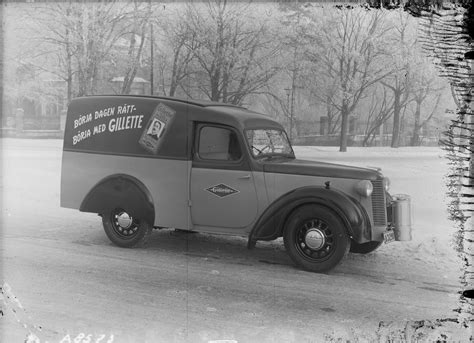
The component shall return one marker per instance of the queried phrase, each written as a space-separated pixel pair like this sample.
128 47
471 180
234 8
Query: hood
315 168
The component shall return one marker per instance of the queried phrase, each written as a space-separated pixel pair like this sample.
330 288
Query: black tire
315 238
364 248
123 229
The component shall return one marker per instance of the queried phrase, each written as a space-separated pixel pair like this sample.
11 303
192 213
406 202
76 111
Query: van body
145 162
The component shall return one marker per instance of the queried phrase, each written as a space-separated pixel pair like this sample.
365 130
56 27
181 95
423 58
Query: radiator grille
379 208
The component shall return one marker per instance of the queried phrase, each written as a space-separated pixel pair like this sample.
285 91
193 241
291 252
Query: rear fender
122 191
271 223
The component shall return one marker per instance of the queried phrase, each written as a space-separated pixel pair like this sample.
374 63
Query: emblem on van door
221 190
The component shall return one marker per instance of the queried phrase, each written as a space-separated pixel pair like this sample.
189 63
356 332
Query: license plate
388 237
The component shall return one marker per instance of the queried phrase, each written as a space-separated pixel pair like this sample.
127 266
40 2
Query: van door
223 193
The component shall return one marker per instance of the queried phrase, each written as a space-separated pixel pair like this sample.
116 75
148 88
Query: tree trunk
396 121
225 82
415 139
344 127
365 142
82 83
68 59
69 82
370 135
94 78
152 53
327 130
129 74
215 79
174 71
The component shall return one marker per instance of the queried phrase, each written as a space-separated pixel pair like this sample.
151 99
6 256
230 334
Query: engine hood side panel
322 169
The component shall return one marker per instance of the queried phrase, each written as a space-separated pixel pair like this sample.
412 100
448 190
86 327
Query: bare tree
347 49
177 42
233 54
139 22
419 122
426 89
75 40
399 81
380 111
285 95
93 30
276 104
25 85
280 103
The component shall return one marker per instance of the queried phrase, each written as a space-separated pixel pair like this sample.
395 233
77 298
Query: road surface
71 281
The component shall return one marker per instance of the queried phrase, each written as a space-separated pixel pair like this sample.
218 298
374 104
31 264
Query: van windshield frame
268 143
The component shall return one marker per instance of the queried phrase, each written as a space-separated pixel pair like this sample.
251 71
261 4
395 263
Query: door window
217 143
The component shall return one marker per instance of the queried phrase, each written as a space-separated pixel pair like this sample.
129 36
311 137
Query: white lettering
82 120
112 125
81 135
125 123
107 112
99 129
126 109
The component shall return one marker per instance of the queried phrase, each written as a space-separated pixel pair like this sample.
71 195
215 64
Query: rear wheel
315 238
123 229
364 248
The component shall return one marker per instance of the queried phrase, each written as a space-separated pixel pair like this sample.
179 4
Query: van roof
227 113
197 102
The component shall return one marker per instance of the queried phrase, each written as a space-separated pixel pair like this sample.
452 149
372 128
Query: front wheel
315 238
123 229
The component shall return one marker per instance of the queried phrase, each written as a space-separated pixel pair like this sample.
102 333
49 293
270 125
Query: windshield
268 143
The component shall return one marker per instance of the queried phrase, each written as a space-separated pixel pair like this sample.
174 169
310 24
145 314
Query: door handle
245 177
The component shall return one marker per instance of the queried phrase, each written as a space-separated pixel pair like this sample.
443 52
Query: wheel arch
271 223
120 190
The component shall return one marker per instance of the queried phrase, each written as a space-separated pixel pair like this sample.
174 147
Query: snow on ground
418 172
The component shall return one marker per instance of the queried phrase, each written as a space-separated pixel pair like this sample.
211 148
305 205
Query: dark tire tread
139 240
341 238
364 248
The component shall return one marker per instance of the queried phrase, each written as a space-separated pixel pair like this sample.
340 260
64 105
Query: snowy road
197 288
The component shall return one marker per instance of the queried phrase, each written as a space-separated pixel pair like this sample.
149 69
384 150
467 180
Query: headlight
364 188
386 183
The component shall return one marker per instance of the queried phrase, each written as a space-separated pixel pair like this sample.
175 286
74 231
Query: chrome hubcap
123 224
124 220
314 239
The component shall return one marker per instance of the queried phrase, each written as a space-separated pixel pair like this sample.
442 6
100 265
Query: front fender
271 223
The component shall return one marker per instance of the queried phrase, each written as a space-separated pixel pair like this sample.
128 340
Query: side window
216 143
